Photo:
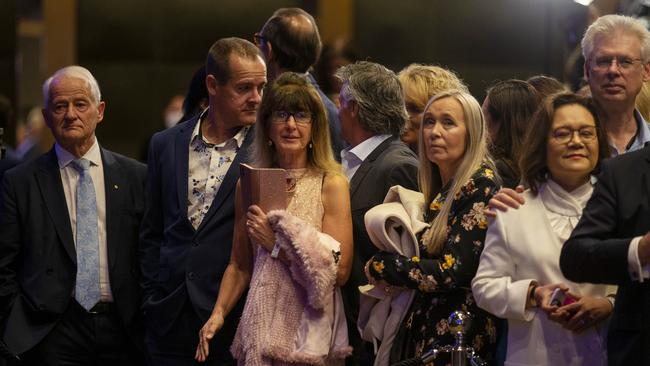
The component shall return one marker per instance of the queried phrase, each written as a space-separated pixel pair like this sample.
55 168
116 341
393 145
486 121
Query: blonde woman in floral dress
457 179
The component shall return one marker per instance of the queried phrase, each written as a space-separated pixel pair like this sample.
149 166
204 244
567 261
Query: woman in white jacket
519 267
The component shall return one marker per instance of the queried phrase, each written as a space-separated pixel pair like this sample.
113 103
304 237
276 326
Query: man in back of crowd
290 41
617 63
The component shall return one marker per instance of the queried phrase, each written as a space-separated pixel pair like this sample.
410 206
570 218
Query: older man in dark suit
611 244
69 233
372 114
187 231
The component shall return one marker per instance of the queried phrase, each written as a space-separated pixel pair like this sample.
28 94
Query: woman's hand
212 326
504 199
258 228
587 311
366 270
543 297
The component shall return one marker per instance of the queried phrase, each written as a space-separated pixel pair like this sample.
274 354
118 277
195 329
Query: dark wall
483 41
7 60
143 52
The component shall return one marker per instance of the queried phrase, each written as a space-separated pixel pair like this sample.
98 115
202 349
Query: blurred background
145 52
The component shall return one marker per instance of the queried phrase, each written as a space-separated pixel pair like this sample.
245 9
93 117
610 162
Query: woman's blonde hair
476 154
292 92
643 101
421 82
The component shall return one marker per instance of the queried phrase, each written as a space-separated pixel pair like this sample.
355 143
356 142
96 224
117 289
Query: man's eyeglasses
259 39
623 63
301 117
564 135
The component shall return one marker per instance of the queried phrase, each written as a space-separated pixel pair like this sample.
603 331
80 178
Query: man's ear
100 111
211 84
585 70
354 108
268 48
646 71
46 117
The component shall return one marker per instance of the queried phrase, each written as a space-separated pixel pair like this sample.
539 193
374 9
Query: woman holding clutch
519 269
457 180
293 259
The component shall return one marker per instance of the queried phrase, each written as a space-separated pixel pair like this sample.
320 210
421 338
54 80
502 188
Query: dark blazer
391 163
333 119
178 262
7 162
37 252
618 211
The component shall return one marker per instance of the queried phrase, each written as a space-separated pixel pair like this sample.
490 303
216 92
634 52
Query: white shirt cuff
636 270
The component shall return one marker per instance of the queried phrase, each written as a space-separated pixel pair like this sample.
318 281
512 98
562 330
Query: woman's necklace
293 176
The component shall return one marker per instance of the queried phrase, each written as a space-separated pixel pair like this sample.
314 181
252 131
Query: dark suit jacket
332 117
37 252
9 161
391 163
178 262
618 211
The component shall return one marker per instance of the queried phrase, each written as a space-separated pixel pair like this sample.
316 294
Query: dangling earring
270 142
310 145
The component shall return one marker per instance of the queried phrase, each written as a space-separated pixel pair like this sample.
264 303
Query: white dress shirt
69 178
636 270
352 157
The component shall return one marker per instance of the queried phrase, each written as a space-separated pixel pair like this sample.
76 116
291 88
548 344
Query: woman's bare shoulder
334 182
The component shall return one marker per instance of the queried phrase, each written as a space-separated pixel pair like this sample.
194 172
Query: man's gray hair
379 95
77 72
608 26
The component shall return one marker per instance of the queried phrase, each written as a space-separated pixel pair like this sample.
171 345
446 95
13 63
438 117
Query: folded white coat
392 227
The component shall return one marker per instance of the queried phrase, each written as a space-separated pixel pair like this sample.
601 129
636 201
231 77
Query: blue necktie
87 284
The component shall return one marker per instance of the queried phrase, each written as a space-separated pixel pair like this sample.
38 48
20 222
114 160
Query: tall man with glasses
187 231
611 243
616 49
69 223
617 63
290 41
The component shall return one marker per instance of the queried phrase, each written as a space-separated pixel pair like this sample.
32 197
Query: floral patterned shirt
444 280
208 165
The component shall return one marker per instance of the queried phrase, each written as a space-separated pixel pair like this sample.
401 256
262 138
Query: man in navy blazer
42 246
611 244
186 235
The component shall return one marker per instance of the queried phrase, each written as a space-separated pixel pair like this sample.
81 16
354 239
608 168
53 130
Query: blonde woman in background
643 101
421 83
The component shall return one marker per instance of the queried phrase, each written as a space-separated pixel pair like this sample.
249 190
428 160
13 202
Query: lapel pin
115 186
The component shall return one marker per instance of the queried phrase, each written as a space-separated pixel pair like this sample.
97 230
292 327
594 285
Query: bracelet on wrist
276 251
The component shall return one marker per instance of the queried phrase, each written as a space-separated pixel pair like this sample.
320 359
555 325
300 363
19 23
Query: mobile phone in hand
561 298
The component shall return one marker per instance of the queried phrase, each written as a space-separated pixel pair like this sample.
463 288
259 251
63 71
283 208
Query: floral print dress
444 281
